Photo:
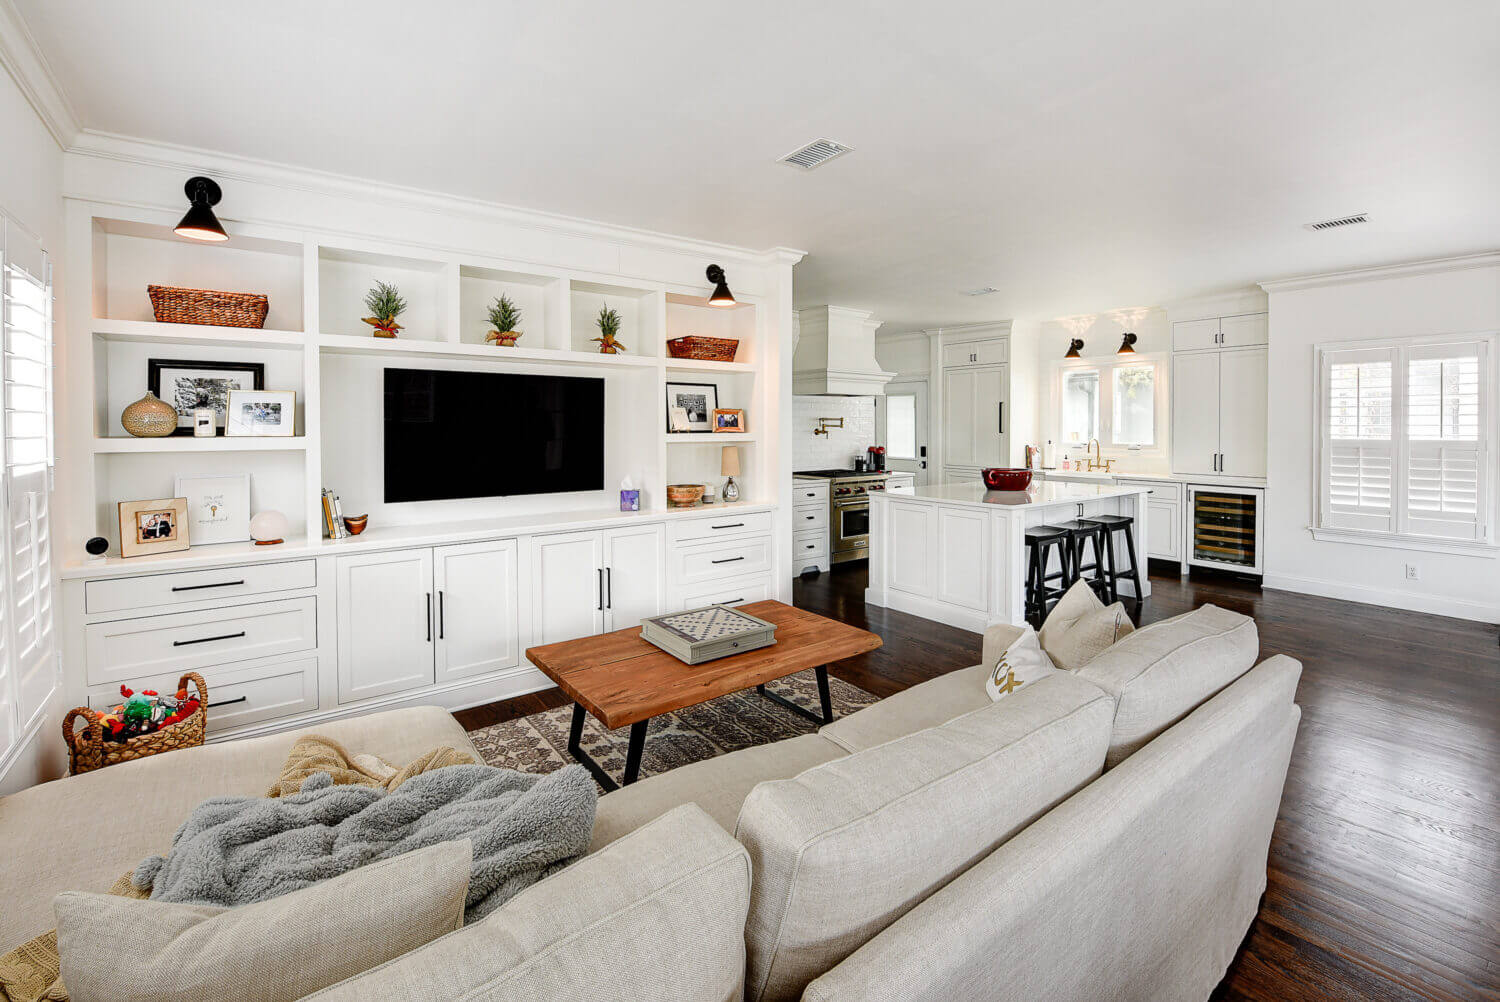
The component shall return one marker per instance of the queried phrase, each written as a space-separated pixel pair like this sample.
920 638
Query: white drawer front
804 519
901 485
288 688
712 560
177 642
804 493
976 353
1160 490
756 589
809 547
730 523
229 583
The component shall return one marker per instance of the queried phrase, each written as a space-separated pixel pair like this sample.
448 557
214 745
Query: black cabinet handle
733 600
810 517
731 525
429 617
217 584
600 587
229 702
812 546
1002 417
442 619
726 560
208 640
609 587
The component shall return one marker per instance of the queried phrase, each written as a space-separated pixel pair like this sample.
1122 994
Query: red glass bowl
998 478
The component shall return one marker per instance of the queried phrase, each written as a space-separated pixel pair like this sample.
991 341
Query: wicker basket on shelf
89 751
204 306
703 349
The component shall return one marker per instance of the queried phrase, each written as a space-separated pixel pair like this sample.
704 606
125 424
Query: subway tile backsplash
837 449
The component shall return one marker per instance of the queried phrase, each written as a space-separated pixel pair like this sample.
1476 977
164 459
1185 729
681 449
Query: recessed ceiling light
815 154
984 291
1329 224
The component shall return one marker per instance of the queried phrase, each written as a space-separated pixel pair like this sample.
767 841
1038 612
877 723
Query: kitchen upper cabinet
995 352
1219 412
1243 331
1195 412
477 611
974 418
635 575
567 586
1194 335
385 623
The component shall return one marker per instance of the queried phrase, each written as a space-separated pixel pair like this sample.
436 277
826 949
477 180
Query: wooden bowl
998 478
356 523
684 495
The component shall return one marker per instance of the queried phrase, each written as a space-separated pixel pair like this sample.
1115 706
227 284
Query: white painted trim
1398 541
1437 605
23 59
26 739
1240 302
1464 262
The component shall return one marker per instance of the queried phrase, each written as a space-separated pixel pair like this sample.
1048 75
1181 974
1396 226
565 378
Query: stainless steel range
848 511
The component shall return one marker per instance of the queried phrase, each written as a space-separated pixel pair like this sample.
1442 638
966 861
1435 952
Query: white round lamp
268 528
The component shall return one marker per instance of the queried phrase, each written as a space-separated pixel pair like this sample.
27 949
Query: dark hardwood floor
1384 872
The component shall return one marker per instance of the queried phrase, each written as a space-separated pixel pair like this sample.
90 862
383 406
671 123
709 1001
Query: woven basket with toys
146 723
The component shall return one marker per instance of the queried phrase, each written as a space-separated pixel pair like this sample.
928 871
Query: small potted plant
385 304
504 315
609 326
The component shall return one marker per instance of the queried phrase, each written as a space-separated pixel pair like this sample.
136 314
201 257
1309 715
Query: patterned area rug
539 743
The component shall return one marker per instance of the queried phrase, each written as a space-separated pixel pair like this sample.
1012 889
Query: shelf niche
345 276
543 302
640 317
692 315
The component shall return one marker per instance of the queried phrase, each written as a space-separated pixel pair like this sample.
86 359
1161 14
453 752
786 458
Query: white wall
1347 308
837 449
30 191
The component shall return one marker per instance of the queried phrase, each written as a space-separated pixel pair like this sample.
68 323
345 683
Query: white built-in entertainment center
436 602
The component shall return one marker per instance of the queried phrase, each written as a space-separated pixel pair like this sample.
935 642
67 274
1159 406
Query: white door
1195 412
958 417
963 570
901 420
477 614
1163 529
991 422
567 586
1243 331
635 575
1242 412
386 630
1188 335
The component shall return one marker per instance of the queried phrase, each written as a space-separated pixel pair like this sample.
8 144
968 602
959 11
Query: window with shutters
1406 444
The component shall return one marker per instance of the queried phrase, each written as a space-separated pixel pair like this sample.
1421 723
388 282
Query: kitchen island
955 553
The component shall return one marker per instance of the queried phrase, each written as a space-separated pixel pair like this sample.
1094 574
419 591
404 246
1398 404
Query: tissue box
630 500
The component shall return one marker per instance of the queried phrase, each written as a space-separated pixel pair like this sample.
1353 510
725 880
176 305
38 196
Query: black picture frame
711 400
156 366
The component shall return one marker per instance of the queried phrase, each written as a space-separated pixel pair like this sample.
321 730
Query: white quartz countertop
1039 494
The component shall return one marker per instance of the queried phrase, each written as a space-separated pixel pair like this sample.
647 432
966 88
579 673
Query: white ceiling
1076 156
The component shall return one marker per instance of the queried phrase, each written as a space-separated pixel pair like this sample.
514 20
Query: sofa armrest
996 639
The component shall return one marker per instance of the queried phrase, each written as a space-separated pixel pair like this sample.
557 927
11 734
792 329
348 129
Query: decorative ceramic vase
149 417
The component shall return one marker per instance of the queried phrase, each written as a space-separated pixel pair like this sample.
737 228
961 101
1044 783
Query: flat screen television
451 434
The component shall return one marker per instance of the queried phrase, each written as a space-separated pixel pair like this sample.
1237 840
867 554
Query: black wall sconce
1127 346
200 223
1074 348
721 296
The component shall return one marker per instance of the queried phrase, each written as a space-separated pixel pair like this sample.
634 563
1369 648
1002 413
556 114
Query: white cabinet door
567 586
1242 412
1243 331
912 562
977 353
1195 412
1164 529
635 575
958 417
386 630
963 554
477 609
1190 335
991 436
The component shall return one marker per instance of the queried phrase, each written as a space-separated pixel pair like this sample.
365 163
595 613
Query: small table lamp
729 466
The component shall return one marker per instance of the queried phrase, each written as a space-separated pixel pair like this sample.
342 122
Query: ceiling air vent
815 154
1329 224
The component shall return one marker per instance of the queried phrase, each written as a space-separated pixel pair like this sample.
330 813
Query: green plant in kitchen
385 304
504 316
609 326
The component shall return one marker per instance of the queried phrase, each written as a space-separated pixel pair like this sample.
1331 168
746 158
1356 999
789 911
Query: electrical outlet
1411 572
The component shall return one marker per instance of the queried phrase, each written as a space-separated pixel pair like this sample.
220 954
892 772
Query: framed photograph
262 412
159 526
700 400
677 419
218 507
189 386
729 419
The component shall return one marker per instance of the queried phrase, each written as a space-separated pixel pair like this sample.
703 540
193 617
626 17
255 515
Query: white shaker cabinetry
385 635
1219 385
476 608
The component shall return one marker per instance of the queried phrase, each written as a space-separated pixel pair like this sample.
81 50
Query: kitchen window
1115 402
1406 445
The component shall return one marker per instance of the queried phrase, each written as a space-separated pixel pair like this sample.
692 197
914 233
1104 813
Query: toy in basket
146 723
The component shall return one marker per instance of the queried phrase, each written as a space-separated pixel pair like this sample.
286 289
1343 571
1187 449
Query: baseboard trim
1457 608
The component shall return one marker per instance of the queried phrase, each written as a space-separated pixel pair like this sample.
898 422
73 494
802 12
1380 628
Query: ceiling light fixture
721 296
1074 348
1127 345
200 223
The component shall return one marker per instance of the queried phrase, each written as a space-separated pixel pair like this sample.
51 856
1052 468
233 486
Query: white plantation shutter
1358 446
1445 440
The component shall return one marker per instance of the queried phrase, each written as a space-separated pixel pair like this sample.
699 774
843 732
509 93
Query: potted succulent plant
385 304
504 315
609 326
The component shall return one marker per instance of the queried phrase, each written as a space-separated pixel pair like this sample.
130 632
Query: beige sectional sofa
1096 835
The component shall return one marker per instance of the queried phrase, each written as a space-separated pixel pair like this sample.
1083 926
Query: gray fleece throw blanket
238 850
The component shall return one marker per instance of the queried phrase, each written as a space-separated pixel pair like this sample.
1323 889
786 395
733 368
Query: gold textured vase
149 417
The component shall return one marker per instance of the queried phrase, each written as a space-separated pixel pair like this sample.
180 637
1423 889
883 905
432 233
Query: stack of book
333 515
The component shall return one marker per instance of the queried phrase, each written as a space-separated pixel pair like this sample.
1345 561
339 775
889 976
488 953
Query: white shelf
204 335
689 365
708 437
189 443
352 344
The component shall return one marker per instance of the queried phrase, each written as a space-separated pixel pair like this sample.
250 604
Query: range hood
835 354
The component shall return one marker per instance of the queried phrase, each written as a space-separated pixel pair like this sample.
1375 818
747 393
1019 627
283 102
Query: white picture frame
261 413
218 507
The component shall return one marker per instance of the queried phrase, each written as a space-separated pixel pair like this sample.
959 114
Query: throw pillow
284 948
1023 662
1079 628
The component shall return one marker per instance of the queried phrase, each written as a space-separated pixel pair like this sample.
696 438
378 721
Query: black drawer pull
810 517
731 525
726 560
229 702
207 640
218 584
812 546
733 600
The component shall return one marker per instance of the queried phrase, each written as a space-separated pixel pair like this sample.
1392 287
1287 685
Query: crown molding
1433 266
23 60
98 145
1250 299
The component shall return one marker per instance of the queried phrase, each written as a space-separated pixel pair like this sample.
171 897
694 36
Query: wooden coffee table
621 679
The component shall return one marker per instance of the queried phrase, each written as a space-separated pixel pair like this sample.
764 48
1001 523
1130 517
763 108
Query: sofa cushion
843 850
1160 673
719 785
934 702
657 914
1080 627
1023 663
34 870
132 950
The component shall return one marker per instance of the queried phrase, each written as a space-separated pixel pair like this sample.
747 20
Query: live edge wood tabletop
621 679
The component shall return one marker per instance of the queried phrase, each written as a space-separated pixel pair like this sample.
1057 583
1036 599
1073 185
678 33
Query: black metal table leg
633 752
823 697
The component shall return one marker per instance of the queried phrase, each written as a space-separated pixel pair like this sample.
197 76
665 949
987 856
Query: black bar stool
1039 541
1109 525
1080 531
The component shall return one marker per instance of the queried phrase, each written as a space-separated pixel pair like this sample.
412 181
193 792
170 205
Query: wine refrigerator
1225 527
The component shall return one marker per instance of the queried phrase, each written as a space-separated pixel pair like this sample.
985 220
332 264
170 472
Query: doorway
901 426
